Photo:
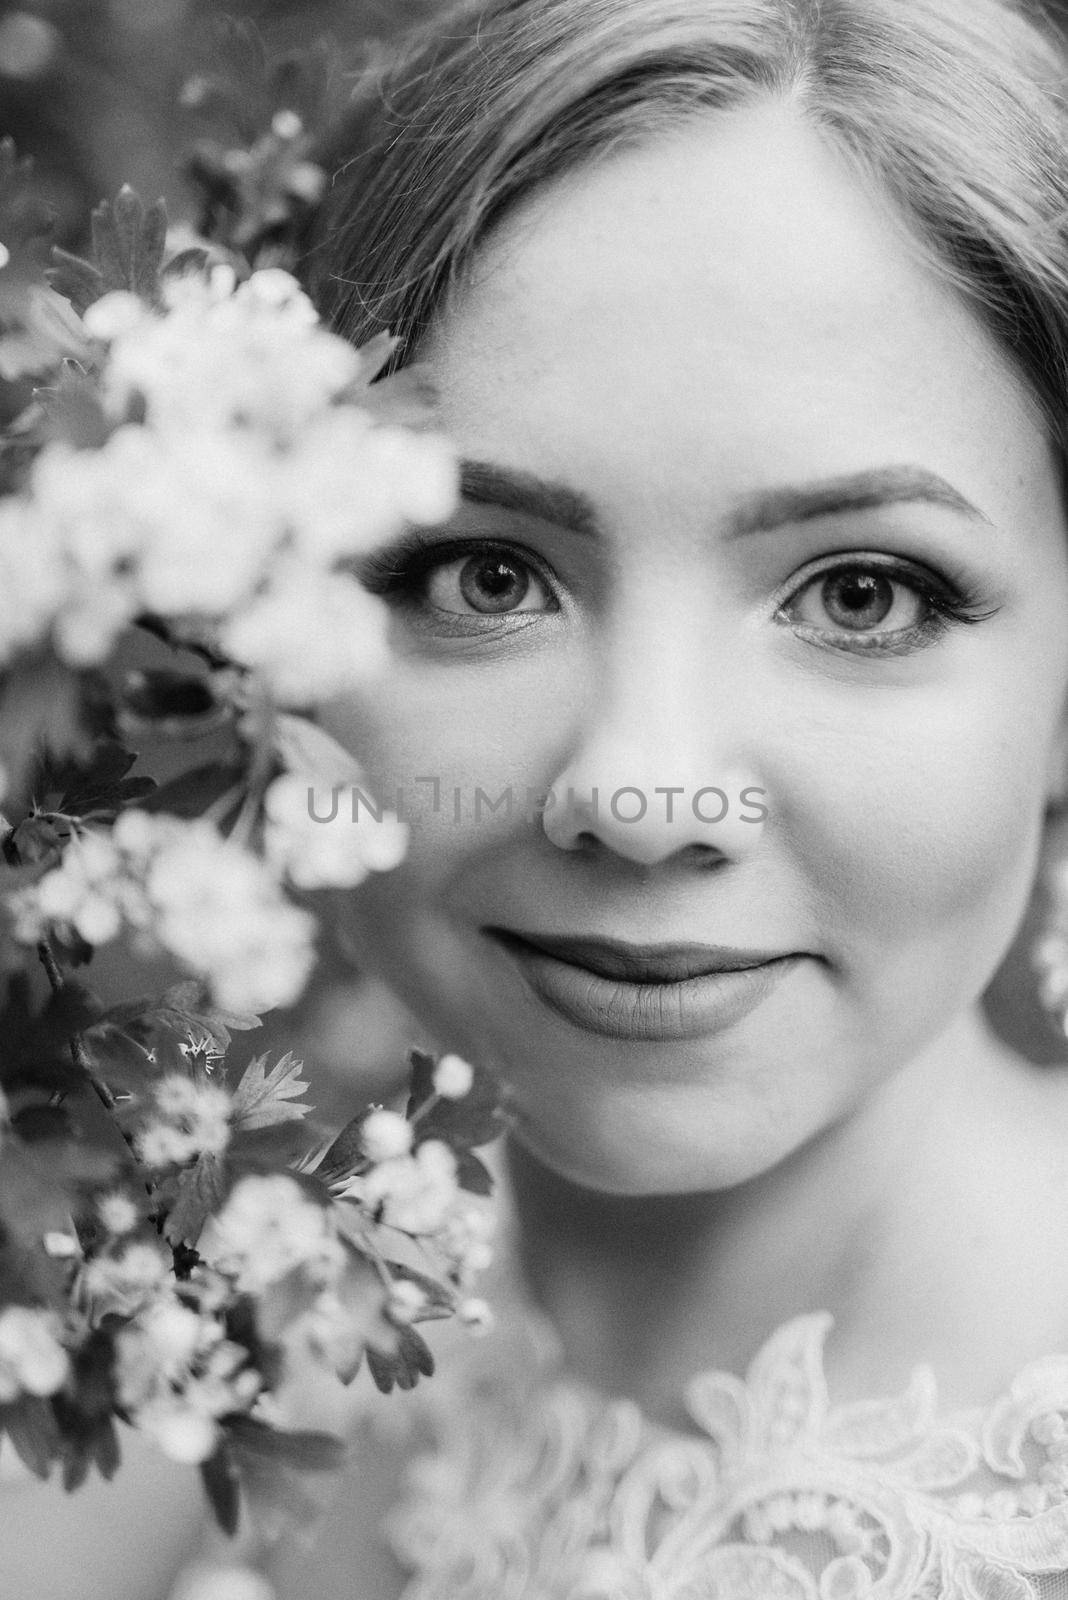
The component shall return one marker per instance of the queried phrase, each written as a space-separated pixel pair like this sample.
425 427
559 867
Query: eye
877 606
858 599
460 586
494 581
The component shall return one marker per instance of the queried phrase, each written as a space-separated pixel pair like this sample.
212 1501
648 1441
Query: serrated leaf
182 1011
200 1190
95 789
345 1156
403 1366
128 244
190 262
262 1099
191 793
474 1120
78 280
72 411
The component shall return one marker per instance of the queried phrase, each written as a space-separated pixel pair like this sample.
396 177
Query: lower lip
617 1009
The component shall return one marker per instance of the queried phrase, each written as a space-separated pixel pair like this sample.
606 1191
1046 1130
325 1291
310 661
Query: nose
665 765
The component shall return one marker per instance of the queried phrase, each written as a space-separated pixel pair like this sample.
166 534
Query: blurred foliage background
90 88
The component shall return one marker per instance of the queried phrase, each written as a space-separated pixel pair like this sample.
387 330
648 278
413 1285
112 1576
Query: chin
643 1155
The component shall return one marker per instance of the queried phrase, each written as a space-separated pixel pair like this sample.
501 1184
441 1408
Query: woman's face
755 506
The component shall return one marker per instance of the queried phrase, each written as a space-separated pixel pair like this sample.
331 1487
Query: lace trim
541 1489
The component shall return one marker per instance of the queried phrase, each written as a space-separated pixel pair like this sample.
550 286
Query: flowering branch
200 459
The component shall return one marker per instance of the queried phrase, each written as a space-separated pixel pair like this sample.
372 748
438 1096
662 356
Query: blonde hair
955 107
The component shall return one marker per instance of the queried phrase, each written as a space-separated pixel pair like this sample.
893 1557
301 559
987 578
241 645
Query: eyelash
949 603
397 573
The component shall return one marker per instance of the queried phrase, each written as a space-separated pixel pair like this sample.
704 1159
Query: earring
1049 953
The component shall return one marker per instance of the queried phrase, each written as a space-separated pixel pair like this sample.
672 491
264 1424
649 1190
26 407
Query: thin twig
79 1054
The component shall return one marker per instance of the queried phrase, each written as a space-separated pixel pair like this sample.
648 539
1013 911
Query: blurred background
90 88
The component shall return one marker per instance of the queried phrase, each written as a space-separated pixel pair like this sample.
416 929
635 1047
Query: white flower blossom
33 584
309 635
124 1284
177 1373
268 1228
453 1077
184 889
352 485
385 1135
254 358
61 1246
338 853
406 1300
85 893
191 1119
414 1193
204 1582
32 1360
117 1213
476 1315
465 1240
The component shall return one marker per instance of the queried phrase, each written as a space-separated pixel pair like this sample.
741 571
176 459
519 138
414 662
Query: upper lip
640 963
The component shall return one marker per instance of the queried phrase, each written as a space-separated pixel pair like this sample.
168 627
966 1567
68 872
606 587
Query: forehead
726 304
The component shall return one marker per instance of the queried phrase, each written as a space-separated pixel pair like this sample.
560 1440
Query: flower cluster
203 462
180 887
241 465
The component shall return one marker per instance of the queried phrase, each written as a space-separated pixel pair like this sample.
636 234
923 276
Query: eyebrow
859 491
487 484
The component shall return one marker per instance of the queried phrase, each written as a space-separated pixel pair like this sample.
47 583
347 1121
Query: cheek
462 750
924 849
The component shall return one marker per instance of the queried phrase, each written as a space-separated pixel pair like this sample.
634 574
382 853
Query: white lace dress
541 1489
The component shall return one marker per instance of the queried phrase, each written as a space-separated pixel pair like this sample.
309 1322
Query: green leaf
85 1410
35 1041
261 1100
473 1175
77 280
41 711
222 1485
72 411
273 1468
128 244
30 1424
200 1190
192 792
26 219
476 1119
402 1366
94 788
345 1157
306 1450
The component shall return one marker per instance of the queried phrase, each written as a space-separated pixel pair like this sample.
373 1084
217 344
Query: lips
629 963
644 992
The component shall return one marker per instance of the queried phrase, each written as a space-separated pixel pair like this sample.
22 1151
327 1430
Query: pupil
859 599
493 583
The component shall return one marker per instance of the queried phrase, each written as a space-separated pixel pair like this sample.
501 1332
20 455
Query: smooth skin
767 404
